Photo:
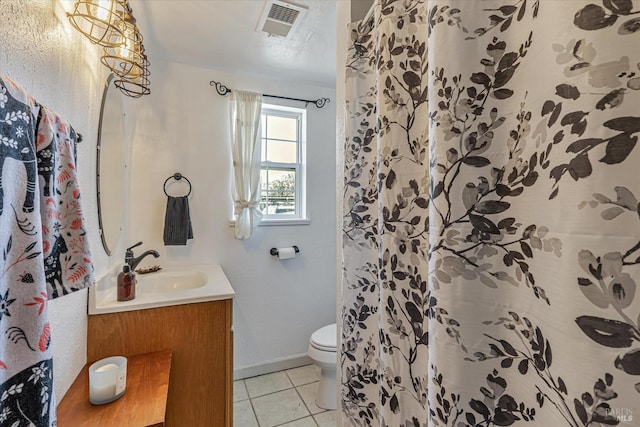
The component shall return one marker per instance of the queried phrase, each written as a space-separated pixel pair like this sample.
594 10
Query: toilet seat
324 339
321 348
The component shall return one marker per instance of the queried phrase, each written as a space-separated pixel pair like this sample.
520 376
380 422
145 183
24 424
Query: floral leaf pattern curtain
491 234
245 149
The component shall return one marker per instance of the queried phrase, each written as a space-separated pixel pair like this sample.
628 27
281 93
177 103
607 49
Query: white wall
183 126
62 71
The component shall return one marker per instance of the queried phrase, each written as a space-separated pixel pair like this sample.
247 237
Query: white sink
169 281
172 285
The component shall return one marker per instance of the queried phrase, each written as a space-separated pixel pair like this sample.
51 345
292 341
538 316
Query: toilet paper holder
274 251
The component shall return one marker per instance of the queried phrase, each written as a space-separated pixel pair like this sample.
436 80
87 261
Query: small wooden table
143 404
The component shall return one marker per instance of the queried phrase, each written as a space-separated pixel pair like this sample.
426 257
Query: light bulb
103 8
126 48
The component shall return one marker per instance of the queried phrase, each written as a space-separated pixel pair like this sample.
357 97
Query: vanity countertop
173 285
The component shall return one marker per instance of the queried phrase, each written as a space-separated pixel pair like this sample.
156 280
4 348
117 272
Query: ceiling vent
279 17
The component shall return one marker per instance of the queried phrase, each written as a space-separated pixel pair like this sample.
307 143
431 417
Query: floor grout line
303 402
297 419
298 393
254 412
270 393
290 421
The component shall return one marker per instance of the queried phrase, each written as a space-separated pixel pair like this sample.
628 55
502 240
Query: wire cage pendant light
136 83
99 20
134 88
111 24
125 59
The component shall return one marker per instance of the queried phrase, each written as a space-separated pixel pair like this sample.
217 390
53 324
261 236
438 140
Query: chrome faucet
134 261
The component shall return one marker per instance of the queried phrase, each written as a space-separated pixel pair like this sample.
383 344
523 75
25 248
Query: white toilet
322 350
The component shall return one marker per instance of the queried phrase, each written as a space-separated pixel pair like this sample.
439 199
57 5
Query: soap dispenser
126 284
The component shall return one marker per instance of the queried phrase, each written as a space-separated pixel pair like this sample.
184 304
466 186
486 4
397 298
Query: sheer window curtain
245 123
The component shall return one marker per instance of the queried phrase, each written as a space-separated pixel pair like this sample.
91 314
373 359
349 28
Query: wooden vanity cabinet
201 340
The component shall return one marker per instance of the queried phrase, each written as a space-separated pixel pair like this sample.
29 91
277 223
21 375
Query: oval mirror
111 167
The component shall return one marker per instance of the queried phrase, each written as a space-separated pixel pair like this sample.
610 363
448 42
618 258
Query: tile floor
284 399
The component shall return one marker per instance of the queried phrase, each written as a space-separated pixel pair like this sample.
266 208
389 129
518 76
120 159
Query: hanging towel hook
177 176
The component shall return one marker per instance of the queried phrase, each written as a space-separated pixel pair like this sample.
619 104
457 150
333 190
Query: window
282 175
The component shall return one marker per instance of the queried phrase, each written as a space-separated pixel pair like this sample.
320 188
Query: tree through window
281 192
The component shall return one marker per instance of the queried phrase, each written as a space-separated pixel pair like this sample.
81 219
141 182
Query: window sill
278 221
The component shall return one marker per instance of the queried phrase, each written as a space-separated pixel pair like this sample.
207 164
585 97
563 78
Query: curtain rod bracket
319 103
220 88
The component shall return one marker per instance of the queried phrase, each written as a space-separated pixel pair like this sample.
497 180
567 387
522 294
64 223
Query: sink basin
173 285
169 281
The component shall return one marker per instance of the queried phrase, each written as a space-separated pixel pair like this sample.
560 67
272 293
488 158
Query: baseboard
272 366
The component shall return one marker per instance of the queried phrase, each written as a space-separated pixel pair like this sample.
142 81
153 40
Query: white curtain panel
491 228
245 123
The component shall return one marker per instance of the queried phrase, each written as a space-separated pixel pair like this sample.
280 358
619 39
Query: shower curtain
491 227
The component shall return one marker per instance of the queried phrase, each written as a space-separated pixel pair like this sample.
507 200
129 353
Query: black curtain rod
320 102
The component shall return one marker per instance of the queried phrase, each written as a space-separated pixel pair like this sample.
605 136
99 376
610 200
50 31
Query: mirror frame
105 244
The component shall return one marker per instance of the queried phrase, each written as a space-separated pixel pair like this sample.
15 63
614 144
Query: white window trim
302 217
279 221
301 115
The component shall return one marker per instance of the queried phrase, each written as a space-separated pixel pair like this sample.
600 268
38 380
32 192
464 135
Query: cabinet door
200 337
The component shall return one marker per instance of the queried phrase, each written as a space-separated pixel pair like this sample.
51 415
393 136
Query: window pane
281 151
282 202
272 203
282 128
278 191
282 179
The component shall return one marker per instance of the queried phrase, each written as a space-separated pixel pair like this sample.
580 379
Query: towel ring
177 176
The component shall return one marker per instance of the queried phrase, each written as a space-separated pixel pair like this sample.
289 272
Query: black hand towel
177 221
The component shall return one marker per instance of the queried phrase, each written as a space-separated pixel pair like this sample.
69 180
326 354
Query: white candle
102 394
107 367
107 379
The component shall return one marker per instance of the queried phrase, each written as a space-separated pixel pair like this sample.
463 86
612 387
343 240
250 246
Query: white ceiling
220 34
